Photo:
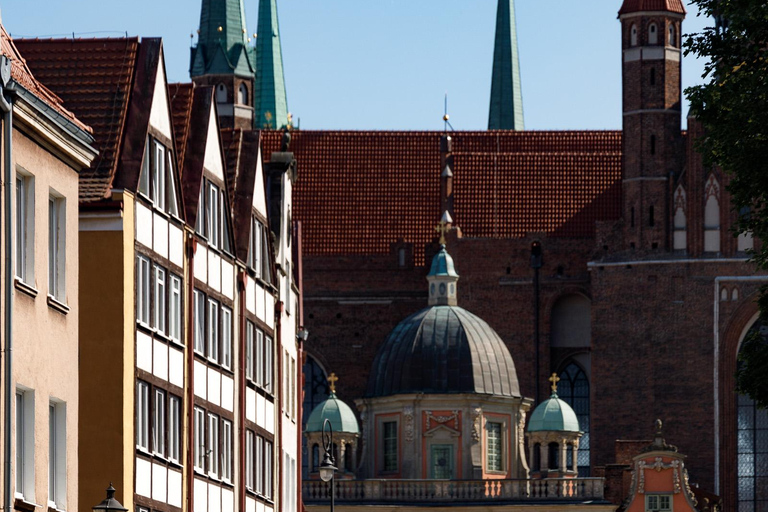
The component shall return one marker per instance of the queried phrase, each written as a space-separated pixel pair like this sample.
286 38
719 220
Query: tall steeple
506 112
271 105
224 59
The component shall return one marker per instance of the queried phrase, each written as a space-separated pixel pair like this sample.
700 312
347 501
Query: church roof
222 45
553 415
377 188
506 109
630 6
93 77
441 350
271 103
442 264
337 412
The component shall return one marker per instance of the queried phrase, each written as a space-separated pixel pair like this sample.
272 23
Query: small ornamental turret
442 276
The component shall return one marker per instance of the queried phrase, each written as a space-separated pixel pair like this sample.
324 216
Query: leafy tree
732 106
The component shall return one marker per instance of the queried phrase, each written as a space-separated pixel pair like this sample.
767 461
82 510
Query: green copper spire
222 43
506 112
271 105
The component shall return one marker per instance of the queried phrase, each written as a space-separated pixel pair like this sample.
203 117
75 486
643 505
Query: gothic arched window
242 94
633 35
221 93
680 221
573 388
712 215
653 34
672 41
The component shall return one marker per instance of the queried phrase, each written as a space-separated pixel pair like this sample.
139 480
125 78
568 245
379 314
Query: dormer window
633 36
242 94
221 93
658 503
156 181
653 34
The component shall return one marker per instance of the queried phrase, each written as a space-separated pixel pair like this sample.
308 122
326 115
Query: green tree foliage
732 106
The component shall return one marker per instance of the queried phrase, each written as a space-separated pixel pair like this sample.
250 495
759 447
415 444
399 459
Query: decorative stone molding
408 423
657 465
442 420
477 423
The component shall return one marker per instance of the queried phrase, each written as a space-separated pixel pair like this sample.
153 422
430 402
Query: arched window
633 35
571 322
573 388
752 451
712 215
242 94
671 40
221 93
680 237
348 458
536 457
653 34
553 459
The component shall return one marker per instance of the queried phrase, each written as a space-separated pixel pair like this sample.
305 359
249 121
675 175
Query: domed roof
442 264
553 415
443 349
337 412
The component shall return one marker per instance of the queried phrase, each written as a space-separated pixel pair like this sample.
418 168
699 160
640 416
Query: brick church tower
652 142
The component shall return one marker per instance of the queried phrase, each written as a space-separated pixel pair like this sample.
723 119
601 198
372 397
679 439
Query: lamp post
327 469
110 504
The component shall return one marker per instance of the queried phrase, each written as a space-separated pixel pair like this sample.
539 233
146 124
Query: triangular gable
259 192
213 161
160 115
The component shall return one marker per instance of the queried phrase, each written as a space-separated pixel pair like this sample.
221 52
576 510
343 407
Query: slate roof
442 350
181 110
359 192
94 78
22 74
629 6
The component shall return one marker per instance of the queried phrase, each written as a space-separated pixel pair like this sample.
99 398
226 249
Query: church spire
222 43
271 105
506 112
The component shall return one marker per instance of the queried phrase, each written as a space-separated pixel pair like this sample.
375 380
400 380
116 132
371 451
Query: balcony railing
391 491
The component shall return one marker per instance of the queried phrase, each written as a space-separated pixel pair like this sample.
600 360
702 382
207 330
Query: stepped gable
94 78
181 109
652 6
380 187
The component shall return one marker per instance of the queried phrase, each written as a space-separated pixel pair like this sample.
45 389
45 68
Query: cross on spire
442 228
554 379
333 379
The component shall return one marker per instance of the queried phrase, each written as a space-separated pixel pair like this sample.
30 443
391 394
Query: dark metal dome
440 350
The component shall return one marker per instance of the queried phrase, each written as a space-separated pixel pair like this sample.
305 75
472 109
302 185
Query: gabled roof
359 192
241 150
222 46
181 109
94 78
22 74
630 6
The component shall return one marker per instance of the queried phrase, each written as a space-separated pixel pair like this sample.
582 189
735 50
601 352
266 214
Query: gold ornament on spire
554 379
442 228
333 379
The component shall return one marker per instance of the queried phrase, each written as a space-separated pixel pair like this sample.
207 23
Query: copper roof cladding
22 74
375 188
440 350
181 110
630 6
94 78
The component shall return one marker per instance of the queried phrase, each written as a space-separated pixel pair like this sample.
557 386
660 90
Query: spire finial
506 110
444 226
333 379
554 379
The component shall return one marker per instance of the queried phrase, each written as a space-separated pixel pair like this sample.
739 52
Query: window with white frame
226 337
142 415
390 447
199 313
658 503
259 362
158 424
142 290
250 473
268 364
213 216
56 247
249 349
254 246
175 310
157 193
259 457
57 455
160 300
199 439
494 446
174 428
213 330
226 450
268 468
157 181
213 445
25 444
25 227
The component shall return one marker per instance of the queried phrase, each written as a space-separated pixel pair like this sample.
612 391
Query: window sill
23 505
176 343
25 288
58 306
143 451
52 507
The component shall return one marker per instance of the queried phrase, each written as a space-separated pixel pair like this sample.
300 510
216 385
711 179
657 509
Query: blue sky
387 64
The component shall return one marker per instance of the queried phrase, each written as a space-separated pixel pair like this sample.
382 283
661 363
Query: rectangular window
268 468
174 310
158 424
200 220
493 451
174 429
57 455
25 444
25 228
160 298
250 480
260 465
146 168
142 415
268 363
254 254
226 337
199 313
259 358
213 445
199 438
212 211
226 450
390 446
173 208
658 503
56 247
142 290
158 177
213 330
249 348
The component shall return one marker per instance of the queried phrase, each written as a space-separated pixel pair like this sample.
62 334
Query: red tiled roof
629 6
21 73
181 109
94 78
358 192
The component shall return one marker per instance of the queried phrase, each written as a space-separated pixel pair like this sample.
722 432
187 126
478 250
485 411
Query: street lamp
110 504
327 469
